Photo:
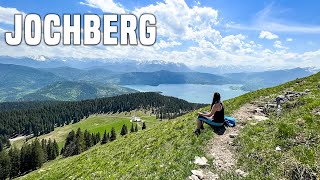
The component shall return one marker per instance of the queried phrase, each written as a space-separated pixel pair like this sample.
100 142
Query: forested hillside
17 81
75 91
73 74
41 117
22 83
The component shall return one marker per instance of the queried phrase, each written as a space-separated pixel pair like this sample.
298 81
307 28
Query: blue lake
195 93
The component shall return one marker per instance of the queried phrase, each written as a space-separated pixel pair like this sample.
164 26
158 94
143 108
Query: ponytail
216 98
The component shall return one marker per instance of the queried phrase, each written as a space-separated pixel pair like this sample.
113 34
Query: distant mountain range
257 80
167 77
38 78
142 78
115 65
34 62
129 65
219 70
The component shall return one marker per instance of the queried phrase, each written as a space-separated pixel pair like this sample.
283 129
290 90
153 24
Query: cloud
2 30
267 35
108 6
289 39
7 15
311 58
292 28
278 44
232 42
176 20
270 19
167 44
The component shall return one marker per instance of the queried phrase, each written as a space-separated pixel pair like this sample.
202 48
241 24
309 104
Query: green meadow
96 123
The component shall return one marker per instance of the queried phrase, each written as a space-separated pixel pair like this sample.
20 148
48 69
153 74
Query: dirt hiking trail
220 147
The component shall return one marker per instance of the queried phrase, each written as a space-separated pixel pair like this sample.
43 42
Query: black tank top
219 115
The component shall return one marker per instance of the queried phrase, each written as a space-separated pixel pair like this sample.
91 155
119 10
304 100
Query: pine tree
14 154
50 151
144 126
69 146
25 158
98 137
93 139
108 137
113 135
70 138
87 139
37 155
136 128
105 137
62 151
79 143
132 128
4 165
44 147
56 149
124 130
1 146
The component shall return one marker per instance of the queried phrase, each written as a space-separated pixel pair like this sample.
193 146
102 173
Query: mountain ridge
119 65
73 91
131 65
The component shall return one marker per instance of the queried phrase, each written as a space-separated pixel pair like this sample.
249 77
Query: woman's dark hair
216 98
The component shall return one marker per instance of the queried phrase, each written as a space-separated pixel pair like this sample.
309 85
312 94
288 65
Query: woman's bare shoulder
217 106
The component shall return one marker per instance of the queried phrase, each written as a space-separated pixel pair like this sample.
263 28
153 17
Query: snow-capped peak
39 58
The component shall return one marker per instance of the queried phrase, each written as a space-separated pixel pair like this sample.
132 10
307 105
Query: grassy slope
296 132
159 152
94 124
166 151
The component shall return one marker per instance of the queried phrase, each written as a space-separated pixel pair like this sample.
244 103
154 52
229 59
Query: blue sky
270 34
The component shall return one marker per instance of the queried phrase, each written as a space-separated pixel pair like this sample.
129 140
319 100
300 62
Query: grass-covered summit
167 150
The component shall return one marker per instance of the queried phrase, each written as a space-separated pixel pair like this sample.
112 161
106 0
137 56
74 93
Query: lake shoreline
195 93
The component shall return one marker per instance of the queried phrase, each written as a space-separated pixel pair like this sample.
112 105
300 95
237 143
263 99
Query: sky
264 33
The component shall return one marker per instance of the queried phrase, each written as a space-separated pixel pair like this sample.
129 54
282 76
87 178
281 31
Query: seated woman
215 117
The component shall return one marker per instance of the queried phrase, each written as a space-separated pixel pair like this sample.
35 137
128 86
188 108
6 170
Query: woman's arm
213 110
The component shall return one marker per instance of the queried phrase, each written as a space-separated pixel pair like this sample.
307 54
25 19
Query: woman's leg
197 131
199 124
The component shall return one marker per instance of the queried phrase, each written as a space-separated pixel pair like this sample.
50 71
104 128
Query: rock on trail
201 174
202 161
